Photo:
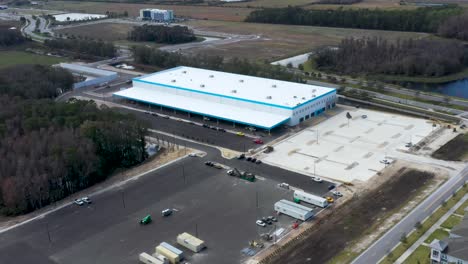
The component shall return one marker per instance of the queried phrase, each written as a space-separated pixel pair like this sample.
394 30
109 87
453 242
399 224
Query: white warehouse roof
206 108
264 91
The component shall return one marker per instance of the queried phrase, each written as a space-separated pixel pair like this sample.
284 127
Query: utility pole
48 232
123 199
183 173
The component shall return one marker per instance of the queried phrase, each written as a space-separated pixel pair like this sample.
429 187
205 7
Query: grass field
9 58
280 41
197 12
103 31
420 255
437 234
452 221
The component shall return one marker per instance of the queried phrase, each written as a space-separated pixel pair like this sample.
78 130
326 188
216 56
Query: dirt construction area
347 149
359 215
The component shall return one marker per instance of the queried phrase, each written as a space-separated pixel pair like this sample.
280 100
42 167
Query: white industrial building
92 76
156 14
253 101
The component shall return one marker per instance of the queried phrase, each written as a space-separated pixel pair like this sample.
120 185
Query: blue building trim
203 114
140 79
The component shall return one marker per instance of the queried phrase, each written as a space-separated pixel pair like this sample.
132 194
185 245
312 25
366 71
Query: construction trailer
193 243
310 198
148 259
173 254
293 209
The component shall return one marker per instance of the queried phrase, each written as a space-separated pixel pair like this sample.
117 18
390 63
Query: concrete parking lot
220 209
345 149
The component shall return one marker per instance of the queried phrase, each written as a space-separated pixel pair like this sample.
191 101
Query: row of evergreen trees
426 19
50 149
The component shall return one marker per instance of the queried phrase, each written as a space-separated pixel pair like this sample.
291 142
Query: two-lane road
384 245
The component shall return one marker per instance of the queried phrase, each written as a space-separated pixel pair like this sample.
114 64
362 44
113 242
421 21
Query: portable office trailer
160 257
170 252
310 198
190 242
148 259
171 256
294 210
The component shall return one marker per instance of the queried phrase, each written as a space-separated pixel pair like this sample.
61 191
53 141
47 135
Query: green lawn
420 255
437 234
461 209
452 221
10 58
430 221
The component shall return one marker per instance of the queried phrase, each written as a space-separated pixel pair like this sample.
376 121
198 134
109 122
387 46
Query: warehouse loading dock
294 210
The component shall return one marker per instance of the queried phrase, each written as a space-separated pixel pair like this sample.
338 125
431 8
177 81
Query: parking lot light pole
123 199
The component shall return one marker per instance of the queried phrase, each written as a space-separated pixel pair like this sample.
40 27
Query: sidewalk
420 241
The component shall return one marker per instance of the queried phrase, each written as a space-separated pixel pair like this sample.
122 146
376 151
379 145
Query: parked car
364 116
258 141
230 172
253 129
409 145
218 166
330 199
249 158
166 212
272 218
206 118
221 129
213 127
331 187
316 179
205 125
193 155
253 160
258 162
241 156
86 200
240 134
337 193
209 163
79 202
260 223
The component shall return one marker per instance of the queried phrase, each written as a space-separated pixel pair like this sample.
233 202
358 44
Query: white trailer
293 209
191 242
172 253
310 198
148 259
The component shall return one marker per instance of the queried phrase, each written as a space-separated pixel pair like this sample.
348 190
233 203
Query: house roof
438 245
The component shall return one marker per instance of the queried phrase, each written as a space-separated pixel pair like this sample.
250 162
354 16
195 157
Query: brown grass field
103 31
196 12
279 41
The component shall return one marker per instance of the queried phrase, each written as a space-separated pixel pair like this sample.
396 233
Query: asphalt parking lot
221 209
197 132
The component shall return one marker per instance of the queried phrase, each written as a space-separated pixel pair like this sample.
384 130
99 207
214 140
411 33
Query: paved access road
220 208
384 245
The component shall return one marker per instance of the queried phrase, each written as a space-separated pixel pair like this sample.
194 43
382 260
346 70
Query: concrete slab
346 150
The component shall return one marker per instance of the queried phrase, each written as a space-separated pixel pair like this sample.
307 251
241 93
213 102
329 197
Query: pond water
458 88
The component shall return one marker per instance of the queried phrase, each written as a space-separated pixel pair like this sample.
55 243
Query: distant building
90 76
156 14
453 249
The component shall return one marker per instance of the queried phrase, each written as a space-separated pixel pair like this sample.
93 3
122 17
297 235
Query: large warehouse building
241 99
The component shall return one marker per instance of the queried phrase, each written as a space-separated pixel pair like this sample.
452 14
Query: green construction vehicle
145 220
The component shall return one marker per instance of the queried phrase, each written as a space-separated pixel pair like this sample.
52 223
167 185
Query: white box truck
193 243
310 198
